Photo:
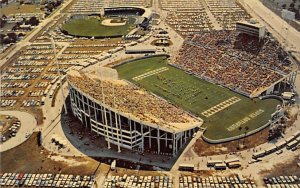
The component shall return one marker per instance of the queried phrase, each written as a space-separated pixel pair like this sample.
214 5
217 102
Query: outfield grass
196 95
14 8
92 27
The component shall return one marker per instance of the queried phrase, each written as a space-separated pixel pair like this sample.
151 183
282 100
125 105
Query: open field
14 8
30 158
197 96
90 27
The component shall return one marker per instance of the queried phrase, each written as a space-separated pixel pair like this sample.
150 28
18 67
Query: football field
222 110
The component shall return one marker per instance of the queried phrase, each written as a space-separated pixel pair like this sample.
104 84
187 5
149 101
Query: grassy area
14 8
196 95
92 27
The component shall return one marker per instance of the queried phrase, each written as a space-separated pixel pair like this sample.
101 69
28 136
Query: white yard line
150 73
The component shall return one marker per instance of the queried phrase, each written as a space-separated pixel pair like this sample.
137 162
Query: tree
1 38
4 17
12 37
3 20
2 23
21 35
284 6
33 21
50 7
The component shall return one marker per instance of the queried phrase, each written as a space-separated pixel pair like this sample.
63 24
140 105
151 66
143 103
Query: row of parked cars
138 181
283 180
29 63
215 181
45 180
7 102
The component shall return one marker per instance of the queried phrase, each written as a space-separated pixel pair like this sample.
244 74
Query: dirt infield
110 22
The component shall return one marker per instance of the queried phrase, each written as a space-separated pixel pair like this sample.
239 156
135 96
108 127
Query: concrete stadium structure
145 14
96 107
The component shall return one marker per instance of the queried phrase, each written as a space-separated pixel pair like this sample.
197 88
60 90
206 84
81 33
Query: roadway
26 40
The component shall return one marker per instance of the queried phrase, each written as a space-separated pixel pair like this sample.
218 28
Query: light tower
59 74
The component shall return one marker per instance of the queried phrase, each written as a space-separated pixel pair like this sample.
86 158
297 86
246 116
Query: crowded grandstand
236 60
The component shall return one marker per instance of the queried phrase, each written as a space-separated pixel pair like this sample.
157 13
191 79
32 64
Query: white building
251 28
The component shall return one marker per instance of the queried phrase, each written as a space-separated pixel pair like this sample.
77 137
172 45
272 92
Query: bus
220 166
280 145
296 134
236 164
271 149
289 139
258 154
232 160
186 167
292 144
212 163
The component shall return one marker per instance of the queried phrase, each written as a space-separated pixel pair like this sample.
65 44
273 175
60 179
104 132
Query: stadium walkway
211 17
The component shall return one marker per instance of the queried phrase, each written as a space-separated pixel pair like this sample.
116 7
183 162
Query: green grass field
196 95
14 8
90 27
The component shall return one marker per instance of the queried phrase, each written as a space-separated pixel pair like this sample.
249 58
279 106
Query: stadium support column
142 131
111 123
149 136
130 129
96 118
134 126
117 127
174 144
158 141
88 104
181 139
121 133
84 112
106 127
185 132
166 141
71 97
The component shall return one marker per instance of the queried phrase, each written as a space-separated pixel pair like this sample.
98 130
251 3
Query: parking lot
138 181
45 180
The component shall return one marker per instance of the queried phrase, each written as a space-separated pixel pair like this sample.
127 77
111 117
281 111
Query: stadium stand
235 60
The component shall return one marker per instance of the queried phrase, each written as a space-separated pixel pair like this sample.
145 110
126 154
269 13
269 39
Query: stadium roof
133 102
147 14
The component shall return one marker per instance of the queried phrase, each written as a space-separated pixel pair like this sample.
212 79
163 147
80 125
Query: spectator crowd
235 60
130 99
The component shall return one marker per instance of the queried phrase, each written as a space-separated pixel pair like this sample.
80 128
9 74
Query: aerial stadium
184 93
227 104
